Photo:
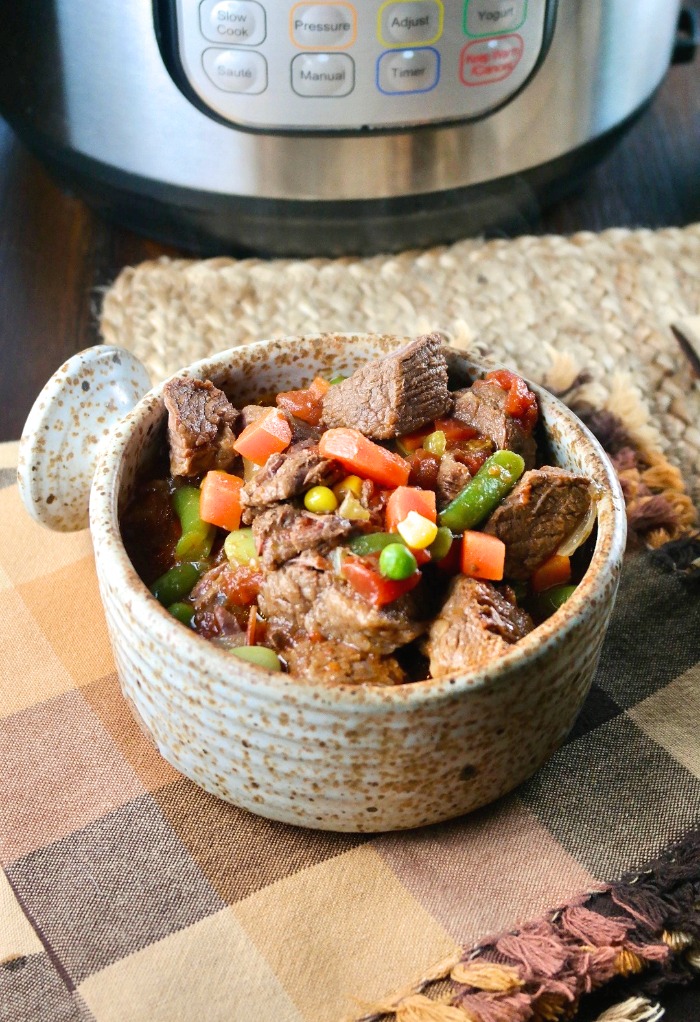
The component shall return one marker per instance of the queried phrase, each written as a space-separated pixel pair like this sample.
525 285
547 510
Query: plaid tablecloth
129 895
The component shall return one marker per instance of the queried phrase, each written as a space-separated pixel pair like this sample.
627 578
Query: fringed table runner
129 895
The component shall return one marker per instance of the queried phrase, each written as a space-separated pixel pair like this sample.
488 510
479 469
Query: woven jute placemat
592 310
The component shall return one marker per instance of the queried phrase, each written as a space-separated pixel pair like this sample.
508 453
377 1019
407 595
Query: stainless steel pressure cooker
324 128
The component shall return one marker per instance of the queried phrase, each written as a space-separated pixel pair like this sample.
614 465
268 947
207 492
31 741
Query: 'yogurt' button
323 74
323 26
233 22
416 21
408 70
489 17
236 70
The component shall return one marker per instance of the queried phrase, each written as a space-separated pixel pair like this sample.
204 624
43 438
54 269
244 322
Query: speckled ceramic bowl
339 758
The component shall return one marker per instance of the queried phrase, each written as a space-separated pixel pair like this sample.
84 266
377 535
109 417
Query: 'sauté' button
236 70
232 22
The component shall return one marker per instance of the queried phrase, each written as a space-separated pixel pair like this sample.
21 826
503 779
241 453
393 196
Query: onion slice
583 530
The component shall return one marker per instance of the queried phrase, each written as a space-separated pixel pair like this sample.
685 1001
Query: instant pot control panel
278 65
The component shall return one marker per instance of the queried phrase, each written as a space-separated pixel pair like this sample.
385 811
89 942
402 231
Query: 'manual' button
232 22
411 21
236 70
323 26
323 74
408 70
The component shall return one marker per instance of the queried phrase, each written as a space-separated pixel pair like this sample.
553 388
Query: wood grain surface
56 255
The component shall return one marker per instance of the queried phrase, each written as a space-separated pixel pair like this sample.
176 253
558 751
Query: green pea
435 443
397 562
440 547
321 500
262 656
482 494
184 612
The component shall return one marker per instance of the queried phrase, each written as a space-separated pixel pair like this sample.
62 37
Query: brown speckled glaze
341 758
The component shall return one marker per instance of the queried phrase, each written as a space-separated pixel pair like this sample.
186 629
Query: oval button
408 70
236 70
414 21
234 22
323 26
323 74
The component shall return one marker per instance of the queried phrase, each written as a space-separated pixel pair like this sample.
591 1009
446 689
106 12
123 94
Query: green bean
184 612
337 379
552 599
482 494
197 536
178 582
373 542
440 547
263 656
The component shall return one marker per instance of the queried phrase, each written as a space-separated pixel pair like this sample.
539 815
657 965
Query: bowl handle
66 427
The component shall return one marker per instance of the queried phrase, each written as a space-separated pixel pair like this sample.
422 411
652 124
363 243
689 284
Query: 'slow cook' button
408 70
323 74
234 22
411 21
323 26
236 70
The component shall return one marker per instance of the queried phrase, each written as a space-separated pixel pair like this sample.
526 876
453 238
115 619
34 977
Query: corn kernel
419 532
350 484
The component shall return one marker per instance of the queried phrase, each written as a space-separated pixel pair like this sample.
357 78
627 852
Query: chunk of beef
336 663
289 473
393 395
482 406
281 532
201 421
300 599
214 607
542 509
452 477
476 624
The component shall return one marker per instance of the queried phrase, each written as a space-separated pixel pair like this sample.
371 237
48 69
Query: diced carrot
483 556
410 442
265 436
220 500
555 571
305 404
376 589
409 498
455 430
363 457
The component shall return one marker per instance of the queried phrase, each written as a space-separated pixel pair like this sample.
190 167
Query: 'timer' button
323 74
232 22
410 21
323 26
405 71
236 70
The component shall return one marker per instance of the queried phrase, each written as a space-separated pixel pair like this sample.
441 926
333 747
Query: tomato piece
555 571
266 435
363 457
243 585
220 500
483 556
455 430
376 589
409 498
521 403
424 469
305 404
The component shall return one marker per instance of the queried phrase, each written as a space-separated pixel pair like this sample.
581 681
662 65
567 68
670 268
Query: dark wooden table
56 255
